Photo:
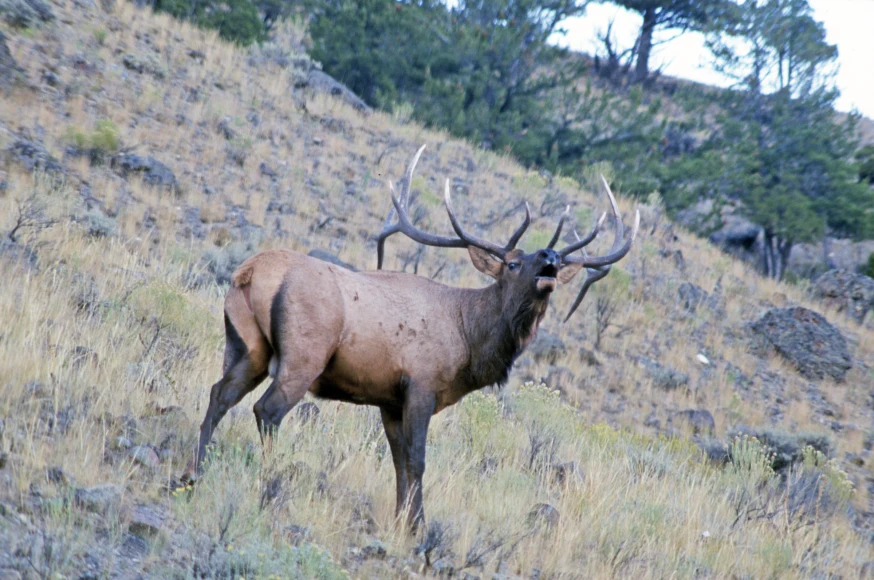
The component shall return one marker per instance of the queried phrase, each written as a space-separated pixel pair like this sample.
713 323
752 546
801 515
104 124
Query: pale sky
849 24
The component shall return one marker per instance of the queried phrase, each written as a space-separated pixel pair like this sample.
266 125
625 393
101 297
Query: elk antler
400 206
598 267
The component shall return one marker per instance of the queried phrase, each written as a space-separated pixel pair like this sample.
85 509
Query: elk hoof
189 476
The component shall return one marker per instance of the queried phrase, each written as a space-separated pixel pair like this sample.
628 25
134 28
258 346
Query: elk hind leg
286 390
245 366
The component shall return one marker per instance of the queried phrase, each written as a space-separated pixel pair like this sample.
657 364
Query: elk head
525 281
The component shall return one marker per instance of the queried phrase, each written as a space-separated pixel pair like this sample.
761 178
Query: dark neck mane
497 335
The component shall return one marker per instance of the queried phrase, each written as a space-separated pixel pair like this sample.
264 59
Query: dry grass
109 329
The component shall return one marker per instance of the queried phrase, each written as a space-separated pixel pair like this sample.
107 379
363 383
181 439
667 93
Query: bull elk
404 343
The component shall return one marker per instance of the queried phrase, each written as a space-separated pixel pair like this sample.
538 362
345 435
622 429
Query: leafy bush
868 268
236 20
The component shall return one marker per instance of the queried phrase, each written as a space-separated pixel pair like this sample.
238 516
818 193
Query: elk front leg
418 409
392 421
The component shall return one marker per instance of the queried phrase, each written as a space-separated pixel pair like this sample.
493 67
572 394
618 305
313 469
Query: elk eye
513 266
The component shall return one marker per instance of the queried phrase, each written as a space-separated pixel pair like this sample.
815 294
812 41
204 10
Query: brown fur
403 343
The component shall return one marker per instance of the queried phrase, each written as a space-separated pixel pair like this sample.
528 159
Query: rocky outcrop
846 291
806 339
152 171
33 156
324 83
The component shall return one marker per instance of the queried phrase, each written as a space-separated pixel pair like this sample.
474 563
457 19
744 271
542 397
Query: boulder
147 520
691 296
99 498
324 83
663 377
846 291
806 339
34 156
151 170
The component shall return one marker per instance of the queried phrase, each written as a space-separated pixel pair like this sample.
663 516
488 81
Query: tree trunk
641 69
775 255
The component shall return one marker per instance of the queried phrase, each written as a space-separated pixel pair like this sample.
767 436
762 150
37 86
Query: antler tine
469 239
581 242
618 250
592 276
404 225
557 233
517 235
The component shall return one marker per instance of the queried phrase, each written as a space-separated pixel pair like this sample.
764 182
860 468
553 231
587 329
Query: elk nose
549 257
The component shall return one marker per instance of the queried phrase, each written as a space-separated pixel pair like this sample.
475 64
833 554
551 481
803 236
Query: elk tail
242 276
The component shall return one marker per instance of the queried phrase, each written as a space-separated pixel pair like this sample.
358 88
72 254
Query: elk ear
567 273
485 263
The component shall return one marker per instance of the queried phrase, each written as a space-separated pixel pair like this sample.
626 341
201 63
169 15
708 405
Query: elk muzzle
547 264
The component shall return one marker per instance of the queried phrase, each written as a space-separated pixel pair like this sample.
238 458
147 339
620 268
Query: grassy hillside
111 298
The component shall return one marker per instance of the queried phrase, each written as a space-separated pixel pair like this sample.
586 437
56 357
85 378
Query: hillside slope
112 296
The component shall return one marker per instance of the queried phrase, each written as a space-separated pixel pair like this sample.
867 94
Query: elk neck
498 326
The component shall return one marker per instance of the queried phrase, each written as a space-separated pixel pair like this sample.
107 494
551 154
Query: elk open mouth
546 278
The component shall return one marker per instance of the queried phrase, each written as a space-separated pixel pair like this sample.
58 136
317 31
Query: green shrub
868 268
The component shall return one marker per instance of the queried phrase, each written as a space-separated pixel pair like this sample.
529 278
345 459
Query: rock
101 499
146 521
846 291
33 156
543 514
716 450
133 547
737 235
121 443
691 296
26 13
663 377
144 63
267 171
152 171
225 129
307 412
701 420
546 348
324 83
568 473
374 550
145 456
330 258
59 477
10 72
806 339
